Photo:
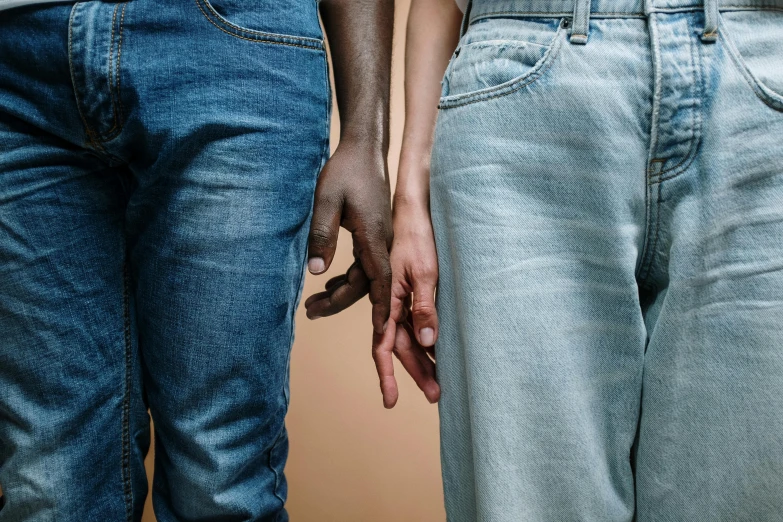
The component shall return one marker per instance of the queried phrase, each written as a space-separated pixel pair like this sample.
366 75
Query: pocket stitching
511 86
231 29
767 95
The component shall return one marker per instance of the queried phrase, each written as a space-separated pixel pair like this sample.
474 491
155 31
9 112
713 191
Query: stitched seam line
217 15
621 14
651 254
696 124
766 95
652 226
126 469
117 75
87 129
93 141
111 66
552 14
534 74
655 54
272 467
641 269
257 36
114 80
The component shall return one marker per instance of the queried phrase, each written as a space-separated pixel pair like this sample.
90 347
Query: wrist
368 133
411 216
364 143
412 202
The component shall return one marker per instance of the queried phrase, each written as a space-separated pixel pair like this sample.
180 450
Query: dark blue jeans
157 168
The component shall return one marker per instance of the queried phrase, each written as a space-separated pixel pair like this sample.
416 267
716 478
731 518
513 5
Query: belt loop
710 33
581 25
465 19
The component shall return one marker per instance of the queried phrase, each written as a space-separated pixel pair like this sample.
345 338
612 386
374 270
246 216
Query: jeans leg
235 136
538 200
218 270
73 427
711 430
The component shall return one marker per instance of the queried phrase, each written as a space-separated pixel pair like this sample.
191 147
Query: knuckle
422 308
321 235
424 270
375 227
327 199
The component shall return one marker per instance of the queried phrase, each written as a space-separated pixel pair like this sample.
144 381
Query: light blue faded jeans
607 197
158 162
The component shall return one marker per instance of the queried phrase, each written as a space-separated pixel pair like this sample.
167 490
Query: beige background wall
350 459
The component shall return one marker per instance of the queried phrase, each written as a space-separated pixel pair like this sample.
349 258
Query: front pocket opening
220 22
488 62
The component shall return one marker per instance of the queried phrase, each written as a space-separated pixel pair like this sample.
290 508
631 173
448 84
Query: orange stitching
253 31
111 55
268 37
119 57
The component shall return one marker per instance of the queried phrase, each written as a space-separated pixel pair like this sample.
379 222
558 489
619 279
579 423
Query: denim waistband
606 8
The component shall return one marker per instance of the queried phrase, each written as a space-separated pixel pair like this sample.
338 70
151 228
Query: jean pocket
754 40
242 20
498 56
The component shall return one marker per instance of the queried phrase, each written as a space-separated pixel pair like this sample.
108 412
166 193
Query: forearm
360 40
432 35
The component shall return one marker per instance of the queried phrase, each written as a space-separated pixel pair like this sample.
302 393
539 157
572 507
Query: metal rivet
565 23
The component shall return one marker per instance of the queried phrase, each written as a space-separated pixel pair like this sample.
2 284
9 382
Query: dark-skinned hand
353 192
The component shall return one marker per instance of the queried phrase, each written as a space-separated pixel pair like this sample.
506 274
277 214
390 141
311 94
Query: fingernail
427 336
316 265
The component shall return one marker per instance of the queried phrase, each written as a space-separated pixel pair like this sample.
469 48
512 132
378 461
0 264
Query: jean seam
111 66
120 109
649 255
87 128
257 36
93 138
621 14
114 77
551 14
643 268
696 124
511 87
769 97
300 283
128 342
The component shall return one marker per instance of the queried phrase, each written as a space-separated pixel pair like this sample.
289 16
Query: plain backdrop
350 459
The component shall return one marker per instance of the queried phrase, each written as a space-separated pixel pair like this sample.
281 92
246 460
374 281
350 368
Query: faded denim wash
157 168
607 197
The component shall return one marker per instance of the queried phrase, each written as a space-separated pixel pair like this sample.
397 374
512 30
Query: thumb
324 228
425 317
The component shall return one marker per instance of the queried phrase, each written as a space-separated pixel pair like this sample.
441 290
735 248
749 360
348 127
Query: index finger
373 253
382 351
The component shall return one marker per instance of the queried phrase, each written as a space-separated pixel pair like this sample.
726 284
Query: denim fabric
7 4
609 227
157 168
